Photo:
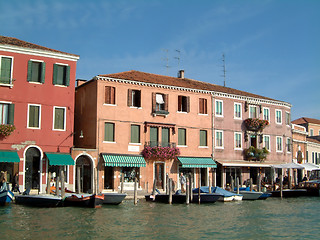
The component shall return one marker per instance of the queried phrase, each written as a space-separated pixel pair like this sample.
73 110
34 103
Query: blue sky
271 47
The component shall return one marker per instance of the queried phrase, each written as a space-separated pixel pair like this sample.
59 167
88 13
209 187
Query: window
110 95
219 139
183 104
289 145
135 134
313 157
203 106
203 138
134 98
6 113
266 142
288 118
36 71
253 112
59 118
278 117
6 70
237 111
61 75
160 103
165 136
266 114
182 137
219 108
238 140
34 116
311 132
109 132
279 144
154 136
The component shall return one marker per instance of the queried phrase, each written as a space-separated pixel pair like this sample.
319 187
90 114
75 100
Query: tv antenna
166 59
178 58
224 69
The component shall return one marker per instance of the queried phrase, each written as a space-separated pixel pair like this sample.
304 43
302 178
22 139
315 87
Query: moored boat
290 193
83 200
6 197
206 197
43 200
113 198
225 196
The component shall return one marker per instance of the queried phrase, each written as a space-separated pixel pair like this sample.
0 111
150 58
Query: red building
37 98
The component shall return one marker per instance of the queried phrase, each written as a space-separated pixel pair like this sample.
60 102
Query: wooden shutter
154 102
107 92
205 109
29 77
11 114
166 102
201 106
135 134
109 132
5 71
188 104
67 76
165 139
43 72
129 97
179 103
113 95
55 74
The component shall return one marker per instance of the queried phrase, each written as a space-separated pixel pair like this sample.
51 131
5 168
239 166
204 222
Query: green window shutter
43 72
181 136
165 136
55 74
153 136
29 77
67 77
5 71
11 114
135 134
203 138
109 132
59 118
34 116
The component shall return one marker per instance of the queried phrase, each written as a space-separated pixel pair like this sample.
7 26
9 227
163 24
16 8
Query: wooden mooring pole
78 180
170 190
135 195
190 187
281 186
251 186
48 182
122 182
210 185
199 185
63 192
187 191
237 185
57 183
259 182
154 187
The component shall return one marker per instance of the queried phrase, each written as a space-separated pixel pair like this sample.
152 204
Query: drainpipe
214 178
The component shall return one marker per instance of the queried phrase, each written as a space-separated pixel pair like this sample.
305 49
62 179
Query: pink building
37 98
126 117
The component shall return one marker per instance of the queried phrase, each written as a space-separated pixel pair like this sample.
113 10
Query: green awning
197 162
9 156
59 159
123 160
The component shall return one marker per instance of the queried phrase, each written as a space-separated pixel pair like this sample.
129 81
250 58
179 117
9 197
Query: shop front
9 163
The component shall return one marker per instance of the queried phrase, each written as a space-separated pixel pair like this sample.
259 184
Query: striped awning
59 159
197 162
9 156
123 160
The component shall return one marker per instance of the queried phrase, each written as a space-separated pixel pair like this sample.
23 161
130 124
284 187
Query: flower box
158 152
255 124
6 129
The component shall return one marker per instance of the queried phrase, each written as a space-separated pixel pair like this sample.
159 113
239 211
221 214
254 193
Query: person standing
182 182
15 183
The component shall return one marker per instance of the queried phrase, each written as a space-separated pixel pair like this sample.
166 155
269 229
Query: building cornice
38 52
251 100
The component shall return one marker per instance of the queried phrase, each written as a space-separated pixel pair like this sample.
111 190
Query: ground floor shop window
130 173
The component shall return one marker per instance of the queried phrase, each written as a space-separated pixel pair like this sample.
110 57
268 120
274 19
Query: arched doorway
84 166
32 168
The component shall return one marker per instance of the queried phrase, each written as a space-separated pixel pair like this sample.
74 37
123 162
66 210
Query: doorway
108 177
159 175
32 168
85 169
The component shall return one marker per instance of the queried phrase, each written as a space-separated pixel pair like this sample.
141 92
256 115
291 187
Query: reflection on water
272 218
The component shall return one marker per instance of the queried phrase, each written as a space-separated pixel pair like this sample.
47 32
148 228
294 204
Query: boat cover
218 190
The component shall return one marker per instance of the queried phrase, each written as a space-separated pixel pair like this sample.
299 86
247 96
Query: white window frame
222 138
235 141
215 105
38 105
11 74
264 142
38 61
286 114
264 117
250 113
65 65
311 132
281 138
276 119
239 104
64 118
287 145
7 115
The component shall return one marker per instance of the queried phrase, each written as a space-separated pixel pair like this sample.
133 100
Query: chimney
80 82
181 74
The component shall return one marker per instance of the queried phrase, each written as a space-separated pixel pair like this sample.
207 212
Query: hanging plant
253 153
255 124
6 129
160 152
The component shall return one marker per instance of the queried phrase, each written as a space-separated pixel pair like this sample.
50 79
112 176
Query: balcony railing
159 144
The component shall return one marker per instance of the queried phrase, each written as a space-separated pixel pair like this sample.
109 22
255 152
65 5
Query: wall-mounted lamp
81 134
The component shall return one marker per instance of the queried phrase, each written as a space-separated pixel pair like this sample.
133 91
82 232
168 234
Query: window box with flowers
255 124
6 129
257 154
162 153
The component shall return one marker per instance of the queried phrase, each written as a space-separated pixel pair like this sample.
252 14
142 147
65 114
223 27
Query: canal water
296 218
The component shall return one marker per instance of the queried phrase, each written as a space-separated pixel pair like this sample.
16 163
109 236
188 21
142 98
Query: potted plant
6 129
